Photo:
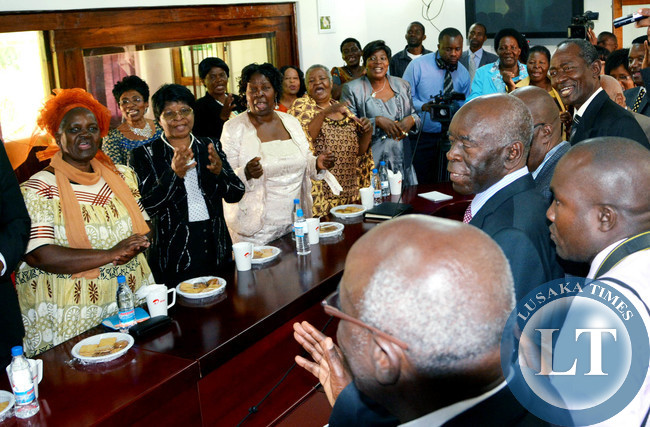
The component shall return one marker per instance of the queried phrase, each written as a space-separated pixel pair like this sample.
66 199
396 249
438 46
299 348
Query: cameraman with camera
438 83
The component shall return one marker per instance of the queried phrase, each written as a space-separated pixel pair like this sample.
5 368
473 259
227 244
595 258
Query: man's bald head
601 198
490 137
613 89
546 118
411 277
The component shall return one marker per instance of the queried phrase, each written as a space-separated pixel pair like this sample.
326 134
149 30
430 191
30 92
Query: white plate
201 295
95 339
338 225
4 397
335 211
274 255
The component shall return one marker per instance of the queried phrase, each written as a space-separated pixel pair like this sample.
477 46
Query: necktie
449 84
574 126
472 65
638 99
468 214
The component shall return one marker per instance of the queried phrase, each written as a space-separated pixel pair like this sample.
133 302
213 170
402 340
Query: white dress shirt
481 198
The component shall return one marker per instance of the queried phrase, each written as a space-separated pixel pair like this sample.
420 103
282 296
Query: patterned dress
56 307
117 146
341 137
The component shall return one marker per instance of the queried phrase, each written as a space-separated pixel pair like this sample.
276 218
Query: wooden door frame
70 32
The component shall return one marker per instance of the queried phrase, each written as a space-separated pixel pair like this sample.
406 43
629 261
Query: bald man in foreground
403 342
547 146
601 215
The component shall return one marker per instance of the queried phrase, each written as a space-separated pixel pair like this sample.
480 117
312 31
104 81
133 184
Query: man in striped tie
475 57
490 140
434 74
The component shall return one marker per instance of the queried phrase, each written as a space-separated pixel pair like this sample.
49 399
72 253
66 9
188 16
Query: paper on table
436 196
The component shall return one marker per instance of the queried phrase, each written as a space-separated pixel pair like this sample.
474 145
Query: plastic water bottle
383 177
302 239
22 384
294 217
125 305
376 187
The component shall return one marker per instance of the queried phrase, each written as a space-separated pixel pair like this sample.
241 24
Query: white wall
365 20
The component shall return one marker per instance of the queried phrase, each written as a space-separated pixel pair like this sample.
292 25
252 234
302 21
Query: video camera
442 108
580 25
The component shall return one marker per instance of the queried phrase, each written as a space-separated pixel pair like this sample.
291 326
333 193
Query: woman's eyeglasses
126 101
170 115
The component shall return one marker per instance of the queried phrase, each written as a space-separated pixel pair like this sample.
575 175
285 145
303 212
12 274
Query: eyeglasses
126 101
170 115
331 304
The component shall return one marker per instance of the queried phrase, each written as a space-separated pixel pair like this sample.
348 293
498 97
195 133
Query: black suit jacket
543 178
515 217
604 117
353 409
630 99
14 234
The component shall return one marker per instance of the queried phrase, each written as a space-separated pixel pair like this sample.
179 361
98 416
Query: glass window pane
24 83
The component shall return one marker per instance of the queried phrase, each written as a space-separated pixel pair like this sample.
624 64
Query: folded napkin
436 196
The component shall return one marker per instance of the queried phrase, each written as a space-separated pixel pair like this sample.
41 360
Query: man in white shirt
490 140
547 146
419 333
475 57
601 215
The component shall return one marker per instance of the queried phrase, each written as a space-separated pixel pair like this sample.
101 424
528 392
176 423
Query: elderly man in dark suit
490 140
547 146
476 36
14 234
574 73
406 355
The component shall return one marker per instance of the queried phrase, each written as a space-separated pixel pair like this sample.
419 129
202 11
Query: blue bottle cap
17 351
382 163
299 213
296 201
374 170
121 279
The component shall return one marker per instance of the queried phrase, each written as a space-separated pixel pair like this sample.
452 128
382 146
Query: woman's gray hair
317 67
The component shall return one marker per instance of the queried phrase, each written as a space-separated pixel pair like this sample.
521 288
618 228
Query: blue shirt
427 80
488 79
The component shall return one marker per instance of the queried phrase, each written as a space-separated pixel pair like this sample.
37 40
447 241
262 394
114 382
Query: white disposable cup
395 183
367 199
157 299
36 368
243 255
313 224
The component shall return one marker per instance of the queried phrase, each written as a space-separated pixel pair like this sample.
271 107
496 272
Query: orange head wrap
64 100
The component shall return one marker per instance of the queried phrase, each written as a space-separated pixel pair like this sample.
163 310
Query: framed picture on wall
325 16
534 18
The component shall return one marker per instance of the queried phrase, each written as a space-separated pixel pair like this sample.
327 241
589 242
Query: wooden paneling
74 31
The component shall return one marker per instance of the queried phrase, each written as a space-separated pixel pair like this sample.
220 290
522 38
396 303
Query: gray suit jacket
487 58
543 178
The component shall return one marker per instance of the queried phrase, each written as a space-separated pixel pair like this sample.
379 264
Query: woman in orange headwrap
87 227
